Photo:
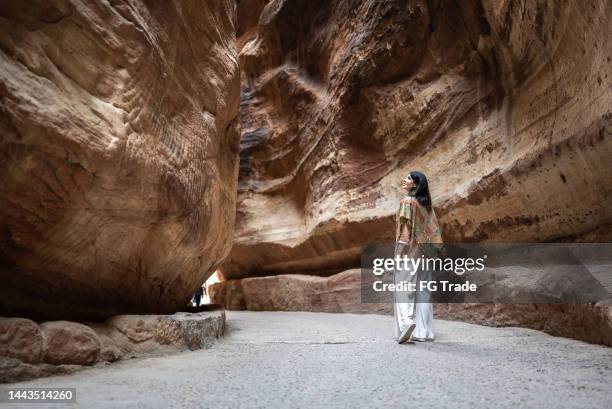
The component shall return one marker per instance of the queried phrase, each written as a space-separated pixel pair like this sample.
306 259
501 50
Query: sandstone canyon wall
505 105
118 153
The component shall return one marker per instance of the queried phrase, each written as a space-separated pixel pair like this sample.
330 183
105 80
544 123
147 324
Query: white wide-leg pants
412 305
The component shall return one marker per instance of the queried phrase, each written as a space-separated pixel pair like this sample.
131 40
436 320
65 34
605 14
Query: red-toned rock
118 154
70 343
136 328
70 346
586 322
505 106
21 339
295 292
341 293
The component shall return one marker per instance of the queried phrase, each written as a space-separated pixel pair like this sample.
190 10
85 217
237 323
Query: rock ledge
29 350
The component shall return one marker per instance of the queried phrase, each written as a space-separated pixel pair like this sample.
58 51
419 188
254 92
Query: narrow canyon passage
150 147
301 359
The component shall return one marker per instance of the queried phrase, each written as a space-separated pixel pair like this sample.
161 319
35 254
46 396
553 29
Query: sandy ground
318 360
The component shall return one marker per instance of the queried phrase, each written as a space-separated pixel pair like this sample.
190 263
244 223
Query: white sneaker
422 339
406 334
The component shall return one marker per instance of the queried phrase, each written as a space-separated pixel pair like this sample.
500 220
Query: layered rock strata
505 105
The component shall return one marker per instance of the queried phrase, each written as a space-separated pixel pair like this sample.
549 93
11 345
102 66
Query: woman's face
407 183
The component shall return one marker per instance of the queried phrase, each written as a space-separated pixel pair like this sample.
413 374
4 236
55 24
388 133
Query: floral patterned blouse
423 224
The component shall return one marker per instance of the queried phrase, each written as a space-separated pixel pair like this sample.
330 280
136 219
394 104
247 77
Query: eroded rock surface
295 292
591 322
505 105
29 350
21 339
70 343
118 153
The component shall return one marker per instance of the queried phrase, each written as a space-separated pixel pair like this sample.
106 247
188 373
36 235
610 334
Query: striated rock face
505 105
118 153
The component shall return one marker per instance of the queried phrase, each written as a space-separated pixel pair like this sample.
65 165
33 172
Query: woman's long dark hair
421 190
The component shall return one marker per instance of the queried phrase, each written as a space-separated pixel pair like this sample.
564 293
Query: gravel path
318 360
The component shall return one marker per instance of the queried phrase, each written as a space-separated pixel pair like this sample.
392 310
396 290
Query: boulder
118 155
69 346
21 339
70 343
191 331
135 333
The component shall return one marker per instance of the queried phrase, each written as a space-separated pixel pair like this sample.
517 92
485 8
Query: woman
417 233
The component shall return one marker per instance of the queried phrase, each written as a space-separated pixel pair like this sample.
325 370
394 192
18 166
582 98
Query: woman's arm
405 220
405 232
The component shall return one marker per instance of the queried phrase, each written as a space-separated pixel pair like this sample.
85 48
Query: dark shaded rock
118 154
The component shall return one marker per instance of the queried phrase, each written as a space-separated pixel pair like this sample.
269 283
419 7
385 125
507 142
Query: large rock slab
505 105
138 334
295 292
587 322
119 153
341 292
